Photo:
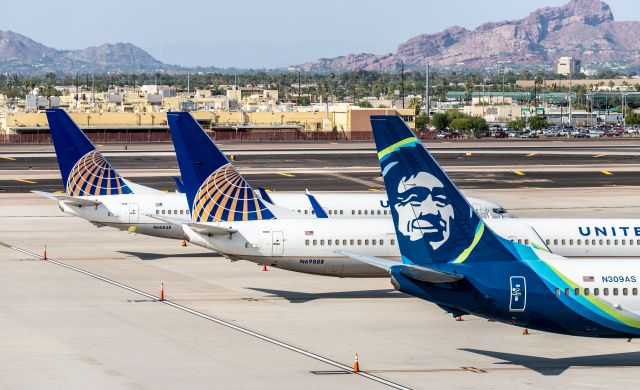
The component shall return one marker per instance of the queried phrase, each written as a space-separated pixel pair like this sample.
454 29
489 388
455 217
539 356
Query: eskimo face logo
424 209
92 175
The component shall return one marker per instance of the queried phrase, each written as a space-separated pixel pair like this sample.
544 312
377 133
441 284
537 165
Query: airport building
567 65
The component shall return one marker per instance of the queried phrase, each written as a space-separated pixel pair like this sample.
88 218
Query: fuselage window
341 212
306 242
558 291
630 242
563 242
313 212
567 291
600 241
344 242
373 212
605 291
579 241
547 241
381 242
306 212
351 242
596 291
329 242
586 291
365 212
623 242
315 242
353 212
359 242
378 212
576 291
181 212
555 242
570 242
359 212
162 212
393 242
169 212
321 242
175 212
615 291
366 242
615 242
373 242
608 242
526 241
634 291
519 240
157 212
188 212
385 212
625 291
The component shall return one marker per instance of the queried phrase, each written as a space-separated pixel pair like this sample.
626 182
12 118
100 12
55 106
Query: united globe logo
226 196
92 175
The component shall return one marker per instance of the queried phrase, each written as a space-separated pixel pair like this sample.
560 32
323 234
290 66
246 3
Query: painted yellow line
532 154
26 181
58 192
468 154
100 145
10 158
600 155
606 173
287 174
519 173
375 190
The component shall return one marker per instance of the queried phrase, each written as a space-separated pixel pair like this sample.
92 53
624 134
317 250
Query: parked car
500 134
529 134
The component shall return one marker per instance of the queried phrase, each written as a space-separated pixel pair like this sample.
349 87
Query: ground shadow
556 366
301 297
158 256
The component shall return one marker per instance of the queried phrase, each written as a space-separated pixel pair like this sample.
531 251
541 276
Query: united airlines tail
434 222
215 190
84 170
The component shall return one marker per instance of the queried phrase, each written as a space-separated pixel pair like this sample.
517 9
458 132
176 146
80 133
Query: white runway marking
268 339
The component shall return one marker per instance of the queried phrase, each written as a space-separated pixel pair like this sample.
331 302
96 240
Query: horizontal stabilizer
201 228
412 271
69 200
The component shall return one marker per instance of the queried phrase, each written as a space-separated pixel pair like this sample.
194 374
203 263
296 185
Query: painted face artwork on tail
424 209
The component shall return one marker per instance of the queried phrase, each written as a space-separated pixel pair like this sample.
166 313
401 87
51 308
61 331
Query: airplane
96 192
452 258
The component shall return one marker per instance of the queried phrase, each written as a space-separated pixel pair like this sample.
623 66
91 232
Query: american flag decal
588 279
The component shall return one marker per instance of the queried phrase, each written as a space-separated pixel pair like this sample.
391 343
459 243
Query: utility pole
299 88
402 84
427 104
570 79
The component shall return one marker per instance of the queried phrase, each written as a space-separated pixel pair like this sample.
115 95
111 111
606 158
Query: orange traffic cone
161 292
264 266
356 365
184 242
525 331
45 253
459 318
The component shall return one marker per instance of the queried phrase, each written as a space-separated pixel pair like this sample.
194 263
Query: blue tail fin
265 195
84 170
215 190
434 222
179 184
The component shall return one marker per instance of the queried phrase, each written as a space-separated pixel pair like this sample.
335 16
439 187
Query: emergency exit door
133 213
277 243
518 301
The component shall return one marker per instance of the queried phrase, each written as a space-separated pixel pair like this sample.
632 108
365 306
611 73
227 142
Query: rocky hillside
19 53
584 29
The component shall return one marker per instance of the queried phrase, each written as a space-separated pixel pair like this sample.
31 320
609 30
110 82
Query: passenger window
313 212
576 291
605 291
625 291
188 212
365 212
567 291
359 242
373 242
630 242
596 291
601 241
157 212
306 242
570 242
329 242
373 212
623 242
306 212
366 242
378 212
169 212
547 241
162 212
351 242
579 242
555 242
393 242
526 241
634 291
558 291
344 242
359 212
315 242
563 242
586 291
381 242
608 242
353 212
321 242
519 240
615 291
175 212
341 212
385 212
181 212
615 242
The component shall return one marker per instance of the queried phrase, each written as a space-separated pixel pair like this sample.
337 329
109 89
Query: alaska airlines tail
434 222
215 190
84 170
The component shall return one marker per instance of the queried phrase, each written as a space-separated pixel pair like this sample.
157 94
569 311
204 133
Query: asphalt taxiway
91 316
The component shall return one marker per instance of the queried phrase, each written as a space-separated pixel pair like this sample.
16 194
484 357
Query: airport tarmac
67 329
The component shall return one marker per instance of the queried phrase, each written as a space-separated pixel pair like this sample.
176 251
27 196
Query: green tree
440 121
422 121
461 124
538 122
479 126
518 124
415 104
364 104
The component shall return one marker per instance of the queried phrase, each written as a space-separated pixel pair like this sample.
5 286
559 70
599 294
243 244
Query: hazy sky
257 33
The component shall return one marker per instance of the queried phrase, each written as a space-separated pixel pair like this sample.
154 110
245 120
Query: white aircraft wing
71 200
412 271
201 228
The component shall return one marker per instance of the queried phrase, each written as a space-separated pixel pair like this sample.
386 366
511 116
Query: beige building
567 66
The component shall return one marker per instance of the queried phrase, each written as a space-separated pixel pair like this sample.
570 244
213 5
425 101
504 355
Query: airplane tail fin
264 194
316 206
434 222
84 170
215 190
